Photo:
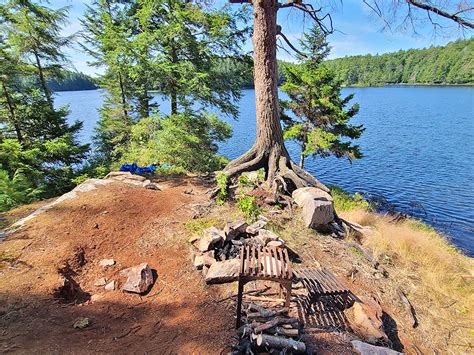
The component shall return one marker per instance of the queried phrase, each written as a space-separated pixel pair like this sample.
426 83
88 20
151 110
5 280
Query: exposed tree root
281 174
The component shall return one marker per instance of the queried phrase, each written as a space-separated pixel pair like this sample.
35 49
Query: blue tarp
135 169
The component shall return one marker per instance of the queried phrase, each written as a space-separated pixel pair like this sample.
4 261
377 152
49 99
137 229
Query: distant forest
72 81
451 64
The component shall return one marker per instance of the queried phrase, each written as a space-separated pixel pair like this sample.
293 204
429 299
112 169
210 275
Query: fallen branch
273 323
408 307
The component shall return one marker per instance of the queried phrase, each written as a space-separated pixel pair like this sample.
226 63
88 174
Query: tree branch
454 17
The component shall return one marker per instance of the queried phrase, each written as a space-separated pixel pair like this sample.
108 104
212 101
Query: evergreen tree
37 145
320 120
174 47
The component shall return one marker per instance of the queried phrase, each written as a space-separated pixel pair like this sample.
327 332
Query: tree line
450 64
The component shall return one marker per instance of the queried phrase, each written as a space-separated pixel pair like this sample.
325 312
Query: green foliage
451 64
39 153
15 190
222 184
187 141
187 51
319 119
247 205
343 201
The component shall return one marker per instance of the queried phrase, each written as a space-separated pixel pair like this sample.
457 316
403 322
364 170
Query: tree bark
269 151
303 148
11 110
122 94
43 82
173 91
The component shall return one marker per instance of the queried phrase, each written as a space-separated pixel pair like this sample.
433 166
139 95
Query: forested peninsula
450 64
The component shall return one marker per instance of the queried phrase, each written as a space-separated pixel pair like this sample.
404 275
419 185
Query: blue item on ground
135 169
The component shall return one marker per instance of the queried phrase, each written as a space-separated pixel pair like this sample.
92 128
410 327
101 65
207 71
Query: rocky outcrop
317 206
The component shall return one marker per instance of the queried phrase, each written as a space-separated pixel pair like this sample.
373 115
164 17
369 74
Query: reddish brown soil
131 225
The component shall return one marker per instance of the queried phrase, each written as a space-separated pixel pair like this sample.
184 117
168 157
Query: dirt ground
132 225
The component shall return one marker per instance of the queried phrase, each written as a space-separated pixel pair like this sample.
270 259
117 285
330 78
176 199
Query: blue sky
358 31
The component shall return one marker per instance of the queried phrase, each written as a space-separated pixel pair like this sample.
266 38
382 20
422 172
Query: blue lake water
418 147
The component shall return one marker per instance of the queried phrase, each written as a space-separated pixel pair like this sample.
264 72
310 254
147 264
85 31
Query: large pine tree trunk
269 151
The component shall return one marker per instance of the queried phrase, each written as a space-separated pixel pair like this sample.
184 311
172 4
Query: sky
358 31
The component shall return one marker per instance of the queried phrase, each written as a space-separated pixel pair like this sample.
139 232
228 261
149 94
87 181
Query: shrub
247 205
16 190
222 184
343 201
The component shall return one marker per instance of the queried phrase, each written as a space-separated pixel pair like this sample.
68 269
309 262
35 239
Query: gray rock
362 348
81 323
139 278
266 236
276 243
152 186
317 205
223 272
234 229
211 236
206 259
107 262
255 227
118 175
317 213
101 282
110 286
310 193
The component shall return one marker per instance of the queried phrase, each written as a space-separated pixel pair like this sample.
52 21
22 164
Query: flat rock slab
255 227
223 272
362 348
265 236
139 278
233 230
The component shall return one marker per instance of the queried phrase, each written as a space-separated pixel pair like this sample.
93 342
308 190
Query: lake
418 150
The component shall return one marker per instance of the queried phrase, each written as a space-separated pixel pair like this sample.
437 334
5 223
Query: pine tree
37 144
320 120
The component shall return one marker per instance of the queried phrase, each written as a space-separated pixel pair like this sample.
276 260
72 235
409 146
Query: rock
310 193
276 243
223 272
362 348
210 237
206 259
96 297
367 320
110 286
255 227
152 186
101 282
138 178
266 236
107 262
188 192
118 175
233 230
139 280
317 213
204 271
146 182
81 323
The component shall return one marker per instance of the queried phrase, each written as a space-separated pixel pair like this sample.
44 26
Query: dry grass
436 276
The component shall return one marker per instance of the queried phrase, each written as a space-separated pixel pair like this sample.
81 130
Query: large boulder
362 348
366 320
317 206
139 278
223 272
211 236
